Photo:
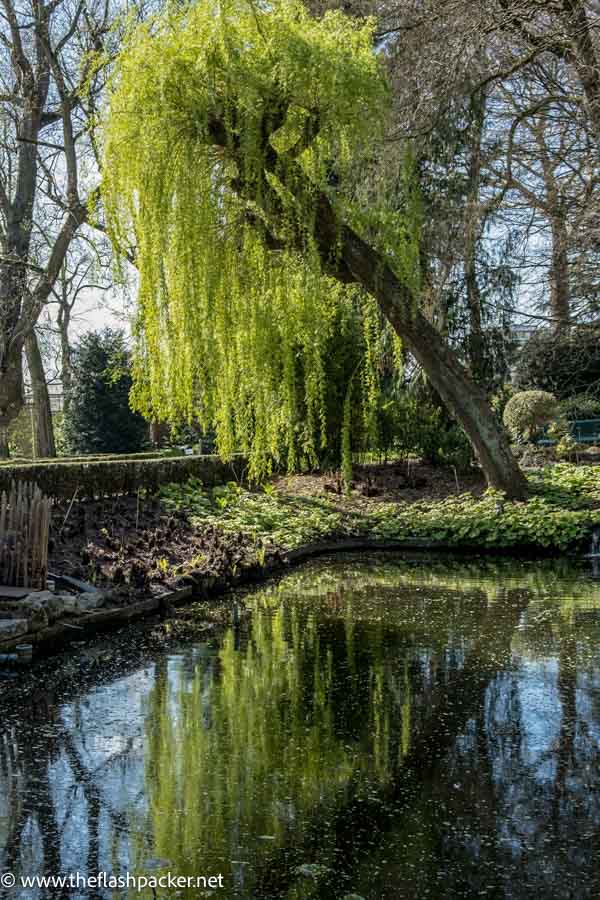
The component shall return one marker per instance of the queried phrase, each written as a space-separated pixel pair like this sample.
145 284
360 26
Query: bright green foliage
270 517
280 732
346 436
230 330
20 438
571 486
527 413
565 507
464 521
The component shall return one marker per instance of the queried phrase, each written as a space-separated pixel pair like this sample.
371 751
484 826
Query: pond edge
78 628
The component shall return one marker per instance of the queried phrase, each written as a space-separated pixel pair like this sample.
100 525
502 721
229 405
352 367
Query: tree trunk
66 372
4 452
44 430
585 59
476 343
450 379
465 399
11 392
560 293
157 433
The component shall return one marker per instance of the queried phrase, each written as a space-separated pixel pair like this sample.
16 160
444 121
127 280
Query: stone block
10 628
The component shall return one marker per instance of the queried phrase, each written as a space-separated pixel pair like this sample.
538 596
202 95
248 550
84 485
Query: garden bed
139 545
145 553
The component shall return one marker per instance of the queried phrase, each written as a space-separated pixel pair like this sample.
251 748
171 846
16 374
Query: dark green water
374 728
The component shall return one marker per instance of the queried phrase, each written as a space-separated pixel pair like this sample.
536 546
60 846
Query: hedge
106 478
97 457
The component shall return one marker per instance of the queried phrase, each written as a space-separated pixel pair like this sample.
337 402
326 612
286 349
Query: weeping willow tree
233 142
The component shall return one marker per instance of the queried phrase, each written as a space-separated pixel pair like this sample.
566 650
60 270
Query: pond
371 727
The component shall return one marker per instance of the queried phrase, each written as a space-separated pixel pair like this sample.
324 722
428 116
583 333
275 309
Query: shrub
528 413
580 406
500 399
421 428
567 447
20 436
560 514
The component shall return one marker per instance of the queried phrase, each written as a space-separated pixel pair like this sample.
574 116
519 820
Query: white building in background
56 397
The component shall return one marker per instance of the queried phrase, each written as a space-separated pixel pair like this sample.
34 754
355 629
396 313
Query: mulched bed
394 482
138 547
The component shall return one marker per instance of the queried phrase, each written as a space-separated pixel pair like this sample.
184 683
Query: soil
138 547
394 482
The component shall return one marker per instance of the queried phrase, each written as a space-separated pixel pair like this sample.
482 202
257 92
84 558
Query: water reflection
375 728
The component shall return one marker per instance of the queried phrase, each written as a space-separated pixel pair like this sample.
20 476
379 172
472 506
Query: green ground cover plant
563 507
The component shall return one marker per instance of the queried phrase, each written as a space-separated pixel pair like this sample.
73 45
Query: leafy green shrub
488 522
500 399
528 413
89 458
268 517
420 429
455 449
581 406
567 447
564 507
570 486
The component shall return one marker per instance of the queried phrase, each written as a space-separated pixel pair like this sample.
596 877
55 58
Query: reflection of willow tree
267 752
491 577
385 731
291 747
456 696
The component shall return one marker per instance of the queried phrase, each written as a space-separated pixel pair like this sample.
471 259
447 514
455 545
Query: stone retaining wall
106 478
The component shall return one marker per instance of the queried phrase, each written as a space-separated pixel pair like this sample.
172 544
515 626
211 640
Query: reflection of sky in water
339 696
106 727
540 714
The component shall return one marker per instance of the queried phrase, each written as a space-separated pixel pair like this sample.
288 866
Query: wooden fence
24 528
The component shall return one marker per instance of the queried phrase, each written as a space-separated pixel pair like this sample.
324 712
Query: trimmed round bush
528 413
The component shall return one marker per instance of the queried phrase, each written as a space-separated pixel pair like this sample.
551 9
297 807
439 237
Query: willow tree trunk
357 261
463 397
44 430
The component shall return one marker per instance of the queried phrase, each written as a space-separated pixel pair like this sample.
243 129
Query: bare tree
49 86
537 63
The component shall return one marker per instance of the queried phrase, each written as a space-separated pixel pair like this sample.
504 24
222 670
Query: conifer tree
98 417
